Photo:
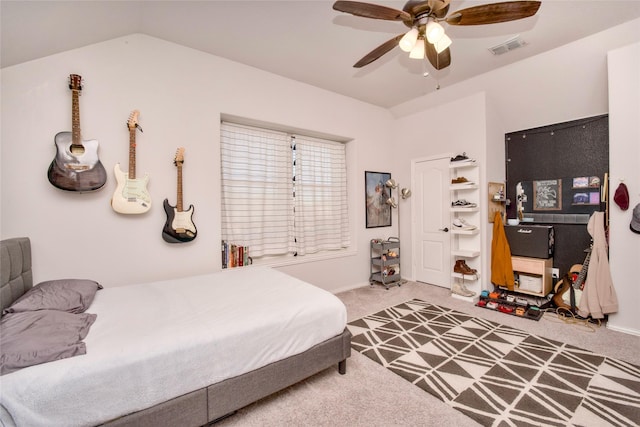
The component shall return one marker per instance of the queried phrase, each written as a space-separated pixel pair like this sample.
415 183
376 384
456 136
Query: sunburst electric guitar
131 195
76 166
179 227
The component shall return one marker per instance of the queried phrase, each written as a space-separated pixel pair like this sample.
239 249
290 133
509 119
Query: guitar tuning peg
139 127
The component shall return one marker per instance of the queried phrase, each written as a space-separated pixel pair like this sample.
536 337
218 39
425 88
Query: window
282 193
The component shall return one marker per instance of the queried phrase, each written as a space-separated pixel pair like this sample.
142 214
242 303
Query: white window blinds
257 207
321 215
282 194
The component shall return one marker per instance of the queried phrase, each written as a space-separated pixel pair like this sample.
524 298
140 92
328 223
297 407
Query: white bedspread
156 341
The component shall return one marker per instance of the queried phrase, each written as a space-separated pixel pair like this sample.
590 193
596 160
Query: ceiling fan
426 36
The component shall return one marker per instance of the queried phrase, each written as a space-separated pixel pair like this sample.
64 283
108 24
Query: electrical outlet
555 272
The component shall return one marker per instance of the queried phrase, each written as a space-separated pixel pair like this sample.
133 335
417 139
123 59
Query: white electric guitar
131 195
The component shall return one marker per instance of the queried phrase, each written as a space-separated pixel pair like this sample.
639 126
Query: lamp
405 193
391 183
408 41
427 30
418 50
443 43
434 32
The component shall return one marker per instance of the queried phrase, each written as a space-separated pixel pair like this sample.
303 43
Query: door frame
414 213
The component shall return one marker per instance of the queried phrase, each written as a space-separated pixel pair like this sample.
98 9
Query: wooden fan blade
378 52
369 10
494 13
439 61
439 7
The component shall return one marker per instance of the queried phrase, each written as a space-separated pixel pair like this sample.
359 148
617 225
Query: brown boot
469 268
461 267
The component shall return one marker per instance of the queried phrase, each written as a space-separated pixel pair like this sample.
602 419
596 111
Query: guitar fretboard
76 139
132 152
583 271
179 201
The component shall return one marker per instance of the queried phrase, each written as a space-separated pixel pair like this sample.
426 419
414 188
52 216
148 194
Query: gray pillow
70 295
34 337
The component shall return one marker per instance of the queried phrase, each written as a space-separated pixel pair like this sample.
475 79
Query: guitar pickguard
131 195
179 226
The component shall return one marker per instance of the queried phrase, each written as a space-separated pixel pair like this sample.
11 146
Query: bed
178 352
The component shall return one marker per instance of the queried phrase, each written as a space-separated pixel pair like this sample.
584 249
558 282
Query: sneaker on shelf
461 224
462 203
462 158
461 180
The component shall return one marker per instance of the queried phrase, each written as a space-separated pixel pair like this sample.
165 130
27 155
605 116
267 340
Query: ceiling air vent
507 46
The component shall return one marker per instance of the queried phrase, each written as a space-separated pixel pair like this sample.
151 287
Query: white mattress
156 341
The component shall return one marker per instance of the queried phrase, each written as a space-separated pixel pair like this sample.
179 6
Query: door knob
444 229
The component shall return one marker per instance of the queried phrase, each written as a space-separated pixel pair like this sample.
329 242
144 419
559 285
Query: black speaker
535 241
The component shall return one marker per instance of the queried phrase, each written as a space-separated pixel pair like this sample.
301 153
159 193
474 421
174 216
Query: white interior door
432 202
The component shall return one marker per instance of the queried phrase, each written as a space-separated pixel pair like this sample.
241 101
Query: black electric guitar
76 166
573 280
179 227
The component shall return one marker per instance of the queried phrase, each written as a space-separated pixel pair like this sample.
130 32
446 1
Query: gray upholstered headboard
17 278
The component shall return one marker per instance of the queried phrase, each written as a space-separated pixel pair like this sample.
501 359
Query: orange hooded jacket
501 268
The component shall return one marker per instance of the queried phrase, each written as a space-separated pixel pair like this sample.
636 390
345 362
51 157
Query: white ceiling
303 40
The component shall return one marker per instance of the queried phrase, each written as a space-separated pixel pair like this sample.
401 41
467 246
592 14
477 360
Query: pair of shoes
461 224
462 268
460 180
462 158
462 203
461 289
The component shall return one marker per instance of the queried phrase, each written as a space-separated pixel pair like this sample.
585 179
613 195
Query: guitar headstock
75 82
132 123
179 160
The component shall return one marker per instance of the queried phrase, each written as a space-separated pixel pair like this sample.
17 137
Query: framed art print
378 212
547 195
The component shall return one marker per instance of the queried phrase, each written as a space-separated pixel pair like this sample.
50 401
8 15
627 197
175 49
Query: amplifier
535 241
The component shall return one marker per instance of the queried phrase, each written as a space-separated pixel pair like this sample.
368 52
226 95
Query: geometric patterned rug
498 375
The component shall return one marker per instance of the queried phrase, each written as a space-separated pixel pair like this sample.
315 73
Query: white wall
565 84
180 93
624 155
452 128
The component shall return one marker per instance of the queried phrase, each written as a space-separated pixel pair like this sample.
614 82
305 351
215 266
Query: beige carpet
371 395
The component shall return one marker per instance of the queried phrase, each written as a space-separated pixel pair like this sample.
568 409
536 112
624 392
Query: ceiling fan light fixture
443 43
434 32
408 41
418 50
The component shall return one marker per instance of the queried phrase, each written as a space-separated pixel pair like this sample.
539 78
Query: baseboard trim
623 330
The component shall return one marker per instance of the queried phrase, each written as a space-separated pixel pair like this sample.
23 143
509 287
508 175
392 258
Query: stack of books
234 255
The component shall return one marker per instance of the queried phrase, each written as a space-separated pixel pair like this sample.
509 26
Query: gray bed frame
206 405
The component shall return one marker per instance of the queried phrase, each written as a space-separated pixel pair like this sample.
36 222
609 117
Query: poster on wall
378 212
547 195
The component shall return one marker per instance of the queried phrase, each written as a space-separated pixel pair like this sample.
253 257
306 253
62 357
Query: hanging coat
599 296
501 268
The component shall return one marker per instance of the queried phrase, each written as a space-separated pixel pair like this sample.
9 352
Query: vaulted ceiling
303 40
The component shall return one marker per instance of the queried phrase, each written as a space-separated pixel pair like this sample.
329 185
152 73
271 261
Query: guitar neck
179 198
583 271
76 138
132 153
